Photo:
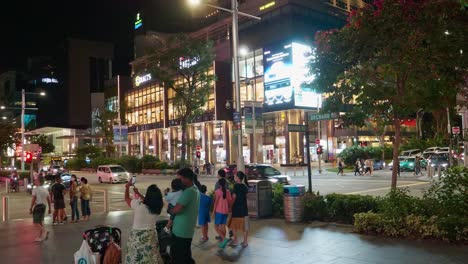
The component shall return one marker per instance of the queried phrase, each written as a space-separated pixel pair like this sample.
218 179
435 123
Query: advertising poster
286 70
278 64
120 135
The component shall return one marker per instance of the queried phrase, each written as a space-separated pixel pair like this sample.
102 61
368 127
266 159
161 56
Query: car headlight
114 174
411 164
432 165
444 165
273 180
45 186
29 186
288 178
128 174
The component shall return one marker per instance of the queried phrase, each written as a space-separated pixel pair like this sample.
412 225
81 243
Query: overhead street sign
323 116
297 128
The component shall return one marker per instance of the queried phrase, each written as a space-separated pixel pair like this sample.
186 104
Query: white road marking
387 188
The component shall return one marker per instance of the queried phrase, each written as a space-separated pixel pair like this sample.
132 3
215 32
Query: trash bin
259 198
293 201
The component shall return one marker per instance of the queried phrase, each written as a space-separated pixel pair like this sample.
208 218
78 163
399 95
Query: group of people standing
187 202
42 199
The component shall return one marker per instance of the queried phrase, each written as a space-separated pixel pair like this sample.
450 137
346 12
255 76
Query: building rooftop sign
138 21
142 79
49 80
267 5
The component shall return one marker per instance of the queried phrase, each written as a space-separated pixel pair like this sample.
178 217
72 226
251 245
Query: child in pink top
221 208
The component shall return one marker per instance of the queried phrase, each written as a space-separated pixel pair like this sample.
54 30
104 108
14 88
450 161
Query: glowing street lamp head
4 117
2 107
42 93
194 2
243 51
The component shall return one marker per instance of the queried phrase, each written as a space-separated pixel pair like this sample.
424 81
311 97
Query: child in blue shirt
204 213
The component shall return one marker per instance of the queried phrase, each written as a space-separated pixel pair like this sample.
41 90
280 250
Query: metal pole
23 106
5 212
318 132
309 169
254 106
106 201
118 116
449 130
235 47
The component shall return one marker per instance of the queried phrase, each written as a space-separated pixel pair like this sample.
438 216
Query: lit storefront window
145 106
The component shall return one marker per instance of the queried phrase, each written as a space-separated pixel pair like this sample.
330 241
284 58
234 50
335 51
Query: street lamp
235 46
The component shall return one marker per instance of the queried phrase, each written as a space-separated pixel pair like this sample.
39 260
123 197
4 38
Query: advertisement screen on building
285 72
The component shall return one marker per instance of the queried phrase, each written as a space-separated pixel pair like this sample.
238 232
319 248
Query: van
112 174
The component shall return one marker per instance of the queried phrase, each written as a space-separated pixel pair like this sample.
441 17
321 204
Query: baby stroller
99 238
165 241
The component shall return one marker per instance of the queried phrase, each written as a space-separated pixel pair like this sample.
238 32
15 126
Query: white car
112 174
431 150
410 153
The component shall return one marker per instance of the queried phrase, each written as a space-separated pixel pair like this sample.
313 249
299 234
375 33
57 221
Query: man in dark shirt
58 191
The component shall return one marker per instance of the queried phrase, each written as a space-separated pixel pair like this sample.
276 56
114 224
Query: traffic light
198 154
319 150
28 157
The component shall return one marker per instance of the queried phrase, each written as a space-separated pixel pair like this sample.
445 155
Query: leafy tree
104 123
393 58
89 151
41 140
184 67
8 138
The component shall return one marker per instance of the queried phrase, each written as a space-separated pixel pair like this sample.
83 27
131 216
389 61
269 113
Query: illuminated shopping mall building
273 61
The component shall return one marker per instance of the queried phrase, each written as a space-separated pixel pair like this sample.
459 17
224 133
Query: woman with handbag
143 244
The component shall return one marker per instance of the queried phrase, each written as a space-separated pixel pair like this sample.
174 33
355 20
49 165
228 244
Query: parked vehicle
112 174
410 153
431 150
259 172
379 164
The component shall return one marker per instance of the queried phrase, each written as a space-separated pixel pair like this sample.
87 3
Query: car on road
410 153
431 150
408 164
259 172
49 180
379 164
112 174
439 160
56 169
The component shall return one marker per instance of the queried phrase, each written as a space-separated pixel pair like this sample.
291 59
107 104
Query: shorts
203 218
59 204
39 213
239 223
220 219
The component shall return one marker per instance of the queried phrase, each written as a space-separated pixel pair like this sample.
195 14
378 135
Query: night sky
36 27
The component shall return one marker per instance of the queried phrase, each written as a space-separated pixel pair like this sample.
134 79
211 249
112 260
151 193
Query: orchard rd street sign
323 116
297 128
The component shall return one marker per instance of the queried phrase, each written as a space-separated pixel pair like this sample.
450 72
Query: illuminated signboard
49 80
142 79
266 6
187 63
285 72
138 21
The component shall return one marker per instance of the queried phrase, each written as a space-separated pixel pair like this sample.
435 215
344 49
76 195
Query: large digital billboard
286 70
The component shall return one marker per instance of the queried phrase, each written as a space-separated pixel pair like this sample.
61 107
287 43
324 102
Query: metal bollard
25 184
429 171
106 201
7 185
6 208
440 171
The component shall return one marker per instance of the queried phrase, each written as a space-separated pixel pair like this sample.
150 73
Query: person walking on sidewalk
143 244
357 167
40 197
74 194
86 196
58 192
239 221
186 212
221 209
340 168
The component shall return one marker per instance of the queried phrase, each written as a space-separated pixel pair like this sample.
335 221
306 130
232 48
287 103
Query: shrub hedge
442 213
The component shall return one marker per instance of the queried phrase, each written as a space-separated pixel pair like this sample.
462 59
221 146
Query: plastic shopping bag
84 255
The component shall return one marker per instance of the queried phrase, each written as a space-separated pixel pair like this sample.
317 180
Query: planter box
150 171
88 169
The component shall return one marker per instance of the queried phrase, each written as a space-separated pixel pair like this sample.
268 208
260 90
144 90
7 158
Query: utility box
259 198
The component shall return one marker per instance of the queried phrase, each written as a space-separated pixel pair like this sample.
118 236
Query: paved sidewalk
271 241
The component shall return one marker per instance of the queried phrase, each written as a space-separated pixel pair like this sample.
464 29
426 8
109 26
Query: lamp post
235 49
23 109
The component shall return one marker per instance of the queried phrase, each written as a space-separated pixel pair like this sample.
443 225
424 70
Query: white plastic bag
84 255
